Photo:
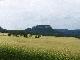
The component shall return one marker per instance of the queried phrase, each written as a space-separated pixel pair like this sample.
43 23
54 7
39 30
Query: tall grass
45 48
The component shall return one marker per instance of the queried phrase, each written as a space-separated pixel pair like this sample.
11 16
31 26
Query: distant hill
45 30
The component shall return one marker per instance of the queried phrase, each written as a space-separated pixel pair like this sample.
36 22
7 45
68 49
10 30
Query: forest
44 30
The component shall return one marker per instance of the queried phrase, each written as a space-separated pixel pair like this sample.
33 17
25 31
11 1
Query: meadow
44 48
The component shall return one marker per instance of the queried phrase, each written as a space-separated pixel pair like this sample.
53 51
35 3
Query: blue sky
21 14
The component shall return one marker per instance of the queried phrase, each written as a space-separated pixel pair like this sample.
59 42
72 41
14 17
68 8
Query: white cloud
20 14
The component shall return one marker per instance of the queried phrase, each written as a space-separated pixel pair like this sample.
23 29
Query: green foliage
7 53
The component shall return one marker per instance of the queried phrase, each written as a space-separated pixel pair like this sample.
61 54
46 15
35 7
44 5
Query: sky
21 14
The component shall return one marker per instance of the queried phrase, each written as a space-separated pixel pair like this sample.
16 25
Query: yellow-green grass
44 48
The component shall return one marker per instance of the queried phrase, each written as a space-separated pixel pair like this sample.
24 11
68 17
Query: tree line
44 30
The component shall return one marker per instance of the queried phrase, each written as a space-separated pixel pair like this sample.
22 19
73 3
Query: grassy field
44 48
